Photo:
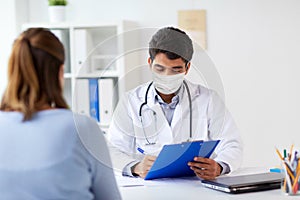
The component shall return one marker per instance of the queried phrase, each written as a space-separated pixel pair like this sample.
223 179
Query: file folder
94 99
106 100
82 46
173 159
81 97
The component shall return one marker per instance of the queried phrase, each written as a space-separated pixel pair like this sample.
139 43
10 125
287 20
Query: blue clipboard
173 159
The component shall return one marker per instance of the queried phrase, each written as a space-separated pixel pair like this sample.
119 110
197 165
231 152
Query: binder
173 159
106 99
82 97
82 45
94 99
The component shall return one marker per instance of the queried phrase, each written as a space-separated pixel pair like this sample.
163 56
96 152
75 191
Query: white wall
7 34
12 15
255 46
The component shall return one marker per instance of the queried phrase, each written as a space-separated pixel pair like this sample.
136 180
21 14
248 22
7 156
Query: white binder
81 49
81 97
106 101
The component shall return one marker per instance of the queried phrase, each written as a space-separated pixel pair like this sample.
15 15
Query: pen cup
290 184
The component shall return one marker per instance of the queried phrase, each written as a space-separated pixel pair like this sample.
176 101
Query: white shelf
79 25
104 74
93 52
68 75
108 56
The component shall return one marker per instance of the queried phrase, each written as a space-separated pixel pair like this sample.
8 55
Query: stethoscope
154 113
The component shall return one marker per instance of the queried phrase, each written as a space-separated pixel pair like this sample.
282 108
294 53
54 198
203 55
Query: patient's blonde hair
33 73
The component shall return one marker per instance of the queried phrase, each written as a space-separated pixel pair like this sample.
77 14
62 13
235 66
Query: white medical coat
211 121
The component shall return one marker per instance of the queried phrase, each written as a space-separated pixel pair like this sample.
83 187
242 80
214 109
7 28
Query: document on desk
126 181
173 159
190 180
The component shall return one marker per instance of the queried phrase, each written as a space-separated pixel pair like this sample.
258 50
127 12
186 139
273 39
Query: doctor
170 110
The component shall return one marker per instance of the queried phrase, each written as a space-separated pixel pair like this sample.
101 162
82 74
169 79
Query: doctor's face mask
167 84
167 74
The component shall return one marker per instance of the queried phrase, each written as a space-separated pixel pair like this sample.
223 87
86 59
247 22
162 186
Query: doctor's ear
187 67
150 62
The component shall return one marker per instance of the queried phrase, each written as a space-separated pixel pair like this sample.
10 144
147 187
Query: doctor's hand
142 168
205 168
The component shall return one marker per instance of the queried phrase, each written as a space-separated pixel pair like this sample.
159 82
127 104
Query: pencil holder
290 184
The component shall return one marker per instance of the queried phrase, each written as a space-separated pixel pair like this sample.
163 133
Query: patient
42 155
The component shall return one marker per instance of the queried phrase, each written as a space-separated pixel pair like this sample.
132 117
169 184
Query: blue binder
94 99
172 160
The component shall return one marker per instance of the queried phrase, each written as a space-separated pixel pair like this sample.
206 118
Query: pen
289 169
291 151
279 154
277 170
295 160
296 184
141 150
287 181
284 153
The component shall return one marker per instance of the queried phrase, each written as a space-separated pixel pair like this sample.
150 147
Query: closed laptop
245 183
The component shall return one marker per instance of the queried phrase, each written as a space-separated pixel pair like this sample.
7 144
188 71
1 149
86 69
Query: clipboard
172 160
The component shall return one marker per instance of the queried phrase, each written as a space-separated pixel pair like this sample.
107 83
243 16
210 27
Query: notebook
173 159
245 183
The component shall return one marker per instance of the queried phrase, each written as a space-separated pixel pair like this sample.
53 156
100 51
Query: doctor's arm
142 168
221 126
122 143
206 168
121 147
124 162
120 137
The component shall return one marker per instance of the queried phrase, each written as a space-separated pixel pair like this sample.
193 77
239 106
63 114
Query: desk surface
189 192
188 189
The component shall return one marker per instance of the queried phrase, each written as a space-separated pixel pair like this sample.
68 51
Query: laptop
245 183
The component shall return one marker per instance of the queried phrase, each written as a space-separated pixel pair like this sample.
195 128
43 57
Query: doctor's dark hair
173 42
33 73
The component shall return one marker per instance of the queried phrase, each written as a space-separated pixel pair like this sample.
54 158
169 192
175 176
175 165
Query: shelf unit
99 51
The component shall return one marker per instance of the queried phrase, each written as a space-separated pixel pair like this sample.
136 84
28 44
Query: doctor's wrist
220 168
225 167
133 172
